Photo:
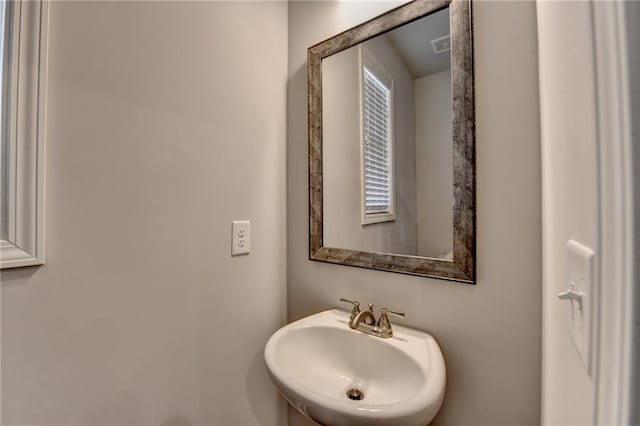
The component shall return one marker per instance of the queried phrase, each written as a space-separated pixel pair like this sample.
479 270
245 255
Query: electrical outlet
240 237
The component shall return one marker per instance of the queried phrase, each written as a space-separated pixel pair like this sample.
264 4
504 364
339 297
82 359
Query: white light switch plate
240 237
580 277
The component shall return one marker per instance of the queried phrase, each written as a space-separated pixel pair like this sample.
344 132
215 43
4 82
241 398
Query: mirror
391 143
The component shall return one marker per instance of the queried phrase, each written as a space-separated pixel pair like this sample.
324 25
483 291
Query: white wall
489 333
166 121
434 164
569 164
342 178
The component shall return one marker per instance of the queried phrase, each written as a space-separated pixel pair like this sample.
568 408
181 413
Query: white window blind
377 145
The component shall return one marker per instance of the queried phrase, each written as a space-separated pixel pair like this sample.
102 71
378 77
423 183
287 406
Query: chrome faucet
366 322
368 317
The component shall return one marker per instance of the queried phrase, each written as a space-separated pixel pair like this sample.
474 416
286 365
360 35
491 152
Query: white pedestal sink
319 365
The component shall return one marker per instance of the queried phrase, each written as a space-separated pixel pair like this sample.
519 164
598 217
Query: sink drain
355 394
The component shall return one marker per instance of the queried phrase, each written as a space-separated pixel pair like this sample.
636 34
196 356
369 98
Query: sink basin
338 376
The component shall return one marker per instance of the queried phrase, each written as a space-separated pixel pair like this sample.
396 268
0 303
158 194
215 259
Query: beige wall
342 158
489 333
570 189
166 121
434 164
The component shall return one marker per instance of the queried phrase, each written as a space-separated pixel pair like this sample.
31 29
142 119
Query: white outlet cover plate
240 237
580 276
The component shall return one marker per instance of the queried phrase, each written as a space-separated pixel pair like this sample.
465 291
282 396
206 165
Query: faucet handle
394 313
356 307
353 302
384 325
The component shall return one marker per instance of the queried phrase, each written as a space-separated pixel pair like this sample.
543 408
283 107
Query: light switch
240 237
578 298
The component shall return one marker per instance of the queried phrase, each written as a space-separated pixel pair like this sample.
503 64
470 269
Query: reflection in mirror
387 142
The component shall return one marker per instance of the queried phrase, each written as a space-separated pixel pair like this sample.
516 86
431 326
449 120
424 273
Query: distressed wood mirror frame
462 266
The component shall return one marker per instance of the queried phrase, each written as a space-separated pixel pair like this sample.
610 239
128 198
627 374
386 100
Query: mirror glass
387 142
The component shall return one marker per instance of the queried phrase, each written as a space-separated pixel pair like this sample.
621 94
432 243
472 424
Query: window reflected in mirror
377 145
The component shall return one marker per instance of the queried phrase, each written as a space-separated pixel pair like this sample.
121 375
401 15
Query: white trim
26 136
366 58
614 380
